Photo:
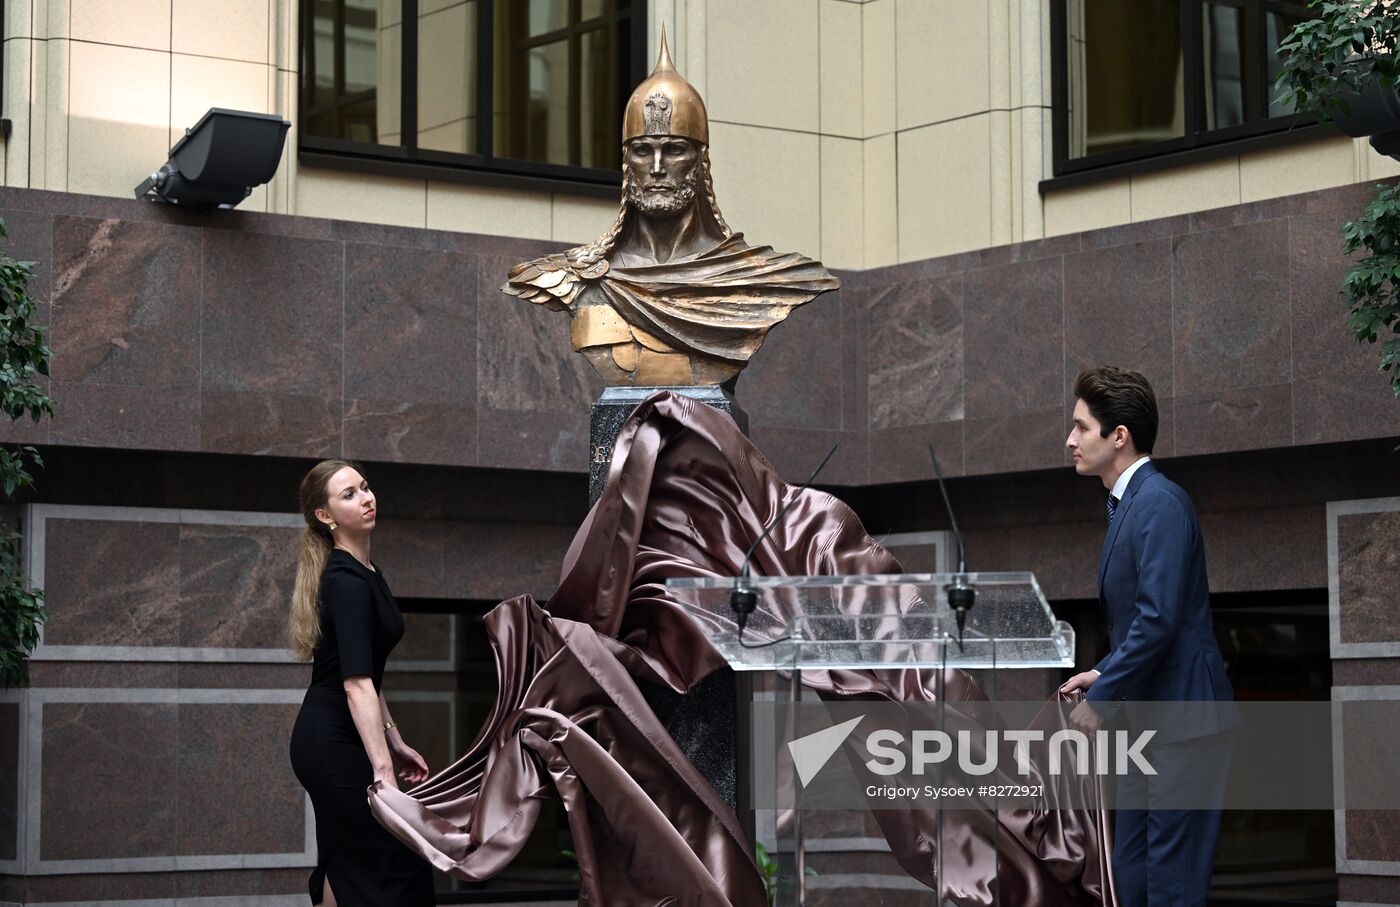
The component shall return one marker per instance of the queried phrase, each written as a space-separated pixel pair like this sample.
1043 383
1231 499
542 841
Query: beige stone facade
865 133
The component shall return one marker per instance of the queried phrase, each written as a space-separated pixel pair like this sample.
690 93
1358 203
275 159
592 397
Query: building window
5 125
507 91
1140 80
1275 646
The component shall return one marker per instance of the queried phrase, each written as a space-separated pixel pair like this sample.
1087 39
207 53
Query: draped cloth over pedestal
686 494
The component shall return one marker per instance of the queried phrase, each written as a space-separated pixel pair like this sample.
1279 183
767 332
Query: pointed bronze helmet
665 104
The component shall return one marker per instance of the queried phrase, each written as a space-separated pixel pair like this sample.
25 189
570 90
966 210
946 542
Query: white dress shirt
1120 486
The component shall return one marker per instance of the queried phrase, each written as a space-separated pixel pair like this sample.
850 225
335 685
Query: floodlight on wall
219 161
1373 113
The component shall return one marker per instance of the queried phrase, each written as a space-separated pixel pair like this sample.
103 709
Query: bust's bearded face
663 174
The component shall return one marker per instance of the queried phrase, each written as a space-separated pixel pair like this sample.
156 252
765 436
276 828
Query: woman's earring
334 525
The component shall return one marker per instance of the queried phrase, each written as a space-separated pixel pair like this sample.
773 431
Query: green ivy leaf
24 359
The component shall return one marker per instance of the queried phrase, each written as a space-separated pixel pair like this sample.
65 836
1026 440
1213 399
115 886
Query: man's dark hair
1117 396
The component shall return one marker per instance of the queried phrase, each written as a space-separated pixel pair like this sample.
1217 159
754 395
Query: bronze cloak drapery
721 302
686 494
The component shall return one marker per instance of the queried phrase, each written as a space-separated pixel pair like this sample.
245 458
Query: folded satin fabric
687 494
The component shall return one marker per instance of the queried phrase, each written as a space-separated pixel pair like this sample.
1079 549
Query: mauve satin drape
686 494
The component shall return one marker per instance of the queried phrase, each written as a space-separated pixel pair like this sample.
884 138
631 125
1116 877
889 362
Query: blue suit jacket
1156 602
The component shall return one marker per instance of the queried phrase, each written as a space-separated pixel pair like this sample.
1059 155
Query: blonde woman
345 620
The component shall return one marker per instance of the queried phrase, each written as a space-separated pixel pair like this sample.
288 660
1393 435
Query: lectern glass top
879 621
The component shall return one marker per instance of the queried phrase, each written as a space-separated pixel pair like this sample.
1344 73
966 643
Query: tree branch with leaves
24 360
1329 63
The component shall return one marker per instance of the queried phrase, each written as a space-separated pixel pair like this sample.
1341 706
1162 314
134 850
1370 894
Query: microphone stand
743 599
962 595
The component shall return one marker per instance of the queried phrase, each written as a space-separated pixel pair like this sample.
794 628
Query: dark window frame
1198 143
6 127
483 167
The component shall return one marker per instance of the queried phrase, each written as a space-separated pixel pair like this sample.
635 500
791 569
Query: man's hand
1081 681
1084 718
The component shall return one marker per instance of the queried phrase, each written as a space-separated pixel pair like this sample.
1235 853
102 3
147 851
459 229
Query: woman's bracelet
389 726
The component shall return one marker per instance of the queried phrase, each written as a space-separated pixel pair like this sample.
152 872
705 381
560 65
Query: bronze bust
669 295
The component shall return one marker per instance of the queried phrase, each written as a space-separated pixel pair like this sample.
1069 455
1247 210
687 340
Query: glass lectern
820 624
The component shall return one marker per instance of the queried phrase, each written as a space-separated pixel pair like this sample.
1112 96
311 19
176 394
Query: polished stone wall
129 756
1363 576
270 335
1232 314
115 582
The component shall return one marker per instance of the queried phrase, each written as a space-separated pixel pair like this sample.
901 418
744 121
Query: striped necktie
1111 506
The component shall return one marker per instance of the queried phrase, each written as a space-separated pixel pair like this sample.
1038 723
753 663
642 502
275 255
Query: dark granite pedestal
705 721
617 403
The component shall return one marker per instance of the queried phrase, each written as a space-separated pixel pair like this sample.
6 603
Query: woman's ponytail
304 625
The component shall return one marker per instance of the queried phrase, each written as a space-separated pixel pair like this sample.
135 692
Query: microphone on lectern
743 599
961 594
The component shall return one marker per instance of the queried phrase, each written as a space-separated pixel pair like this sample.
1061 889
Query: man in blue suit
1156 603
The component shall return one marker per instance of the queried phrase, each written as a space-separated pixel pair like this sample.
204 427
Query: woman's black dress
367 866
